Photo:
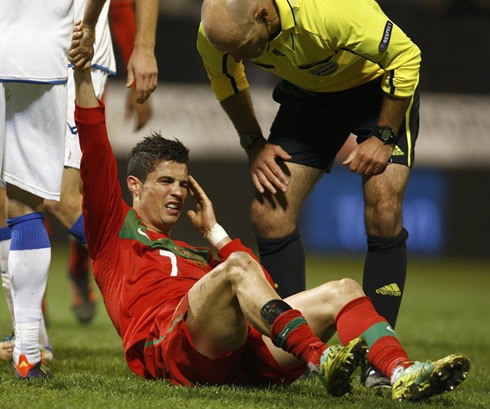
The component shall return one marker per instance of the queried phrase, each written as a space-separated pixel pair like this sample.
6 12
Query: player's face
163 194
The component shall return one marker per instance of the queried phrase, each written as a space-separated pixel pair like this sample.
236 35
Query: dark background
454 37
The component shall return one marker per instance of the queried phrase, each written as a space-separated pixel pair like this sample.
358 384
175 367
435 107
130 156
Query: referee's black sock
284 259
385 270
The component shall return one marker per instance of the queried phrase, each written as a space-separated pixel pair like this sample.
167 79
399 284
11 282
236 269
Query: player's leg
222 303
342 305
4 252
387 253
386 259
28 265
68 212
312 136
236 293
7 343
35 113
385 266
274 218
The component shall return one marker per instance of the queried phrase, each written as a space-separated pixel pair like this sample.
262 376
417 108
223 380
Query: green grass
446 309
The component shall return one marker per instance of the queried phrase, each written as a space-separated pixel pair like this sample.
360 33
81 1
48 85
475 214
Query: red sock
359 318
291 332
78 260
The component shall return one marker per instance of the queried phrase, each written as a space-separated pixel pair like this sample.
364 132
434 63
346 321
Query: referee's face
254 45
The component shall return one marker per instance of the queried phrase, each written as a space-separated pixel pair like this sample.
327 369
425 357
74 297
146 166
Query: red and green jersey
142 275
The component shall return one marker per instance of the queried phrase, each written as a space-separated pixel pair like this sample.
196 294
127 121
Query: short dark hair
152 150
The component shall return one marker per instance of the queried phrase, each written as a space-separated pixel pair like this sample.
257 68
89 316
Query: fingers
130 79
266 172
144 112
369 158
199 193
142 70
81 51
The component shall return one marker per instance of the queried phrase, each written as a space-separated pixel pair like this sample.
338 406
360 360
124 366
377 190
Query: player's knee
239 266
384 218
343 291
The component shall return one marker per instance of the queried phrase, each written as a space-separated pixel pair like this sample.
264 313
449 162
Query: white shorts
73 154
32 136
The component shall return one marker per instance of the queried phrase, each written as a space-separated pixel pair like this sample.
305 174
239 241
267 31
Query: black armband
272 309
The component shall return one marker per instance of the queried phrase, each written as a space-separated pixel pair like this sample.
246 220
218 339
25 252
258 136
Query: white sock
43 334
27 342
29 276
4 254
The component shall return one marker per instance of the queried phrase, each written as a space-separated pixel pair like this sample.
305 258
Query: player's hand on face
82 46
369 158
203 218
142 69
265 170
141 112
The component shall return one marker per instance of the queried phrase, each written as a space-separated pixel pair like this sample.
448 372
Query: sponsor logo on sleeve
383 45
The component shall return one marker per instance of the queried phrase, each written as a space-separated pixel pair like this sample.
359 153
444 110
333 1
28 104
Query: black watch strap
249 138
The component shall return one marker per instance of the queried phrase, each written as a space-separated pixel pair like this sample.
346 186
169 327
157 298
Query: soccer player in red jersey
189 318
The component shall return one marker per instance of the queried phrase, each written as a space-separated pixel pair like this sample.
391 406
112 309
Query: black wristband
249 138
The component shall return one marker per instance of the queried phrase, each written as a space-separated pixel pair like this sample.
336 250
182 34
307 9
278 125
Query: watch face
386 135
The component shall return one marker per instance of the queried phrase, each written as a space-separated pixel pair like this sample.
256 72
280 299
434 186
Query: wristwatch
385 134
248 139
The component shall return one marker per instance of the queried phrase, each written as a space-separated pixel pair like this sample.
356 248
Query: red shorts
170 353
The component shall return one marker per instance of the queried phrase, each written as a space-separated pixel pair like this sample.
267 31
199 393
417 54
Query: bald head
229 23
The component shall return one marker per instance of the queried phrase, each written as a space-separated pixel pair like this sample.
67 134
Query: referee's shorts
313 126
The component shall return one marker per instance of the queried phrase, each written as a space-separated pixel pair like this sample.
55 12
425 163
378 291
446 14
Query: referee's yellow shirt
325 46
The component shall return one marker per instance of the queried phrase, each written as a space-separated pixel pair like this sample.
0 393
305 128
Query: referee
345 68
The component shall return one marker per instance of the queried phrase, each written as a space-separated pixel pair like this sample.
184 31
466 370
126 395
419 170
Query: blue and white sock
29 259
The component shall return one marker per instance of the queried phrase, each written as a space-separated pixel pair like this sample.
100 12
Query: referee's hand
265 160
369 158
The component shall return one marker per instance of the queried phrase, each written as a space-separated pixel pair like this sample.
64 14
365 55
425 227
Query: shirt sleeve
226 75
103 207
362 28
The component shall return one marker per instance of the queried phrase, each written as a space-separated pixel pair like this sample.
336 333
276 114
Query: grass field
446 309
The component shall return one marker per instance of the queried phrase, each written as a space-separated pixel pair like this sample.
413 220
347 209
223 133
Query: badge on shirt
325 69
383 45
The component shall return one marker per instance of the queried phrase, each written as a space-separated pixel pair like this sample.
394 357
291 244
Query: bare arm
142 66
264 168
123 27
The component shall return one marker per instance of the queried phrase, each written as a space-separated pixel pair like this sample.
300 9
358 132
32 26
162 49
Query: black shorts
313 126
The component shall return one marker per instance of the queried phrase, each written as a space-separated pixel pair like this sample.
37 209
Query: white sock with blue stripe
29 259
